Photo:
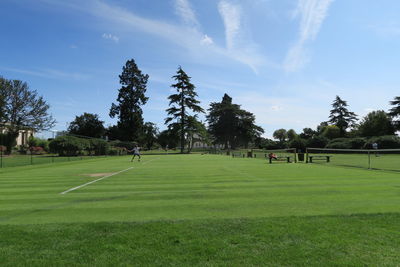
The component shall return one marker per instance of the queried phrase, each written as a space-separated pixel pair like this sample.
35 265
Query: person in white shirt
136 152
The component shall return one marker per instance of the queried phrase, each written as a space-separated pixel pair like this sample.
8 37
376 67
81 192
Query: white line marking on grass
104 177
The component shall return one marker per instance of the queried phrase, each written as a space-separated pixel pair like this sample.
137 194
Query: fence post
369 160
31 158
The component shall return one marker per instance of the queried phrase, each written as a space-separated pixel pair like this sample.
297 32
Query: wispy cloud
207 40
188 36
109 36
48 73
312 14
185 11
231 15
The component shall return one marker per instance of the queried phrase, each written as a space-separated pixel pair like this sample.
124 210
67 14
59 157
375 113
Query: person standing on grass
136 152
375 147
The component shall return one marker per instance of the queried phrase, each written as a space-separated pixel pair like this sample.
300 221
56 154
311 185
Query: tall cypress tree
395 111
341 116
182 102
131 96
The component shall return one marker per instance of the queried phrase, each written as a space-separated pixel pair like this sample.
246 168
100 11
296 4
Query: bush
299 144
98 147
331 132
37 142
117 151
126 145
347 143
68 145
317 142
36 150
384 142
9 140
269 144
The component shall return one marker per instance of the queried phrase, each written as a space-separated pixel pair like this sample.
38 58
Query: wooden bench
327 158
286 159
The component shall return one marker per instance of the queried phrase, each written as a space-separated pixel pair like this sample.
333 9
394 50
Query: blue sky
283 60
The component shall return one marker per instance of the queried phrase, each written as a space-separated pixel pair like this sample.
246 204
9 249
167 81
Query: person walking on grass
136 152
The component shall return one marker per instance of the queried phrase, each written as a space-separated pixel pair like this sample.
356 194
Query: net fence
41 148
377 159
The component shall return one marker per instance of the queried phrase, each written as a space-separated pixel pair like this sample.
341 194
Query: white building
23 134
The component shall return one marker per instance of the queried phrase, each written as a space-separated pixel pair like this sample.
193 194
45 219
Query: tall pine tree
131 98
394 112
181 103
341 116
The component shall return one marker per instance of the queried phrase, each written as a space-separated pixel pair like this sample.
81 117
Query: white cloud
207 40
109 36
48 73
231 15
184 10
312 14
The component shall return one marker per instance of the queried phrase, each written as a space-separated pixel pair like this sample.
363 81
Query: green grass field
199 210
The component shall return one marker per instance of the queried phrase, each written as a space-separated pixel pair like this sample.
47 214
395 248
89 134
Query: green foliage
341 116
269 144
9 140
22 107
347 143
384 142
38 142
230 125
331 132
281 135
87 125
149 136
376 123
291 134
97 147
395 112
298 143
308 133
68 145
182 102
196 131
131 96
123 144
169 138
317 141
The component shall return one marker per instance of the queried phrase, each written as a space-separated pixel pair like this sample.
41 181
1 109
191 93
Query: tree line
344 130
228 124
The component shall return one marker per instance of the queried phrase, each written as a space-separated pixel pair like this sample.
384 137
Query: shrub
126 145
37 150
38 142
317 142
9 140
117 151
347 143
384 142
331 132
98 146
68 145
298 143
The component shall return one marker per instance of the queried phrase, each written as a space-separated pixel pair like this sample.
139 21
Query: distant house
23 135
